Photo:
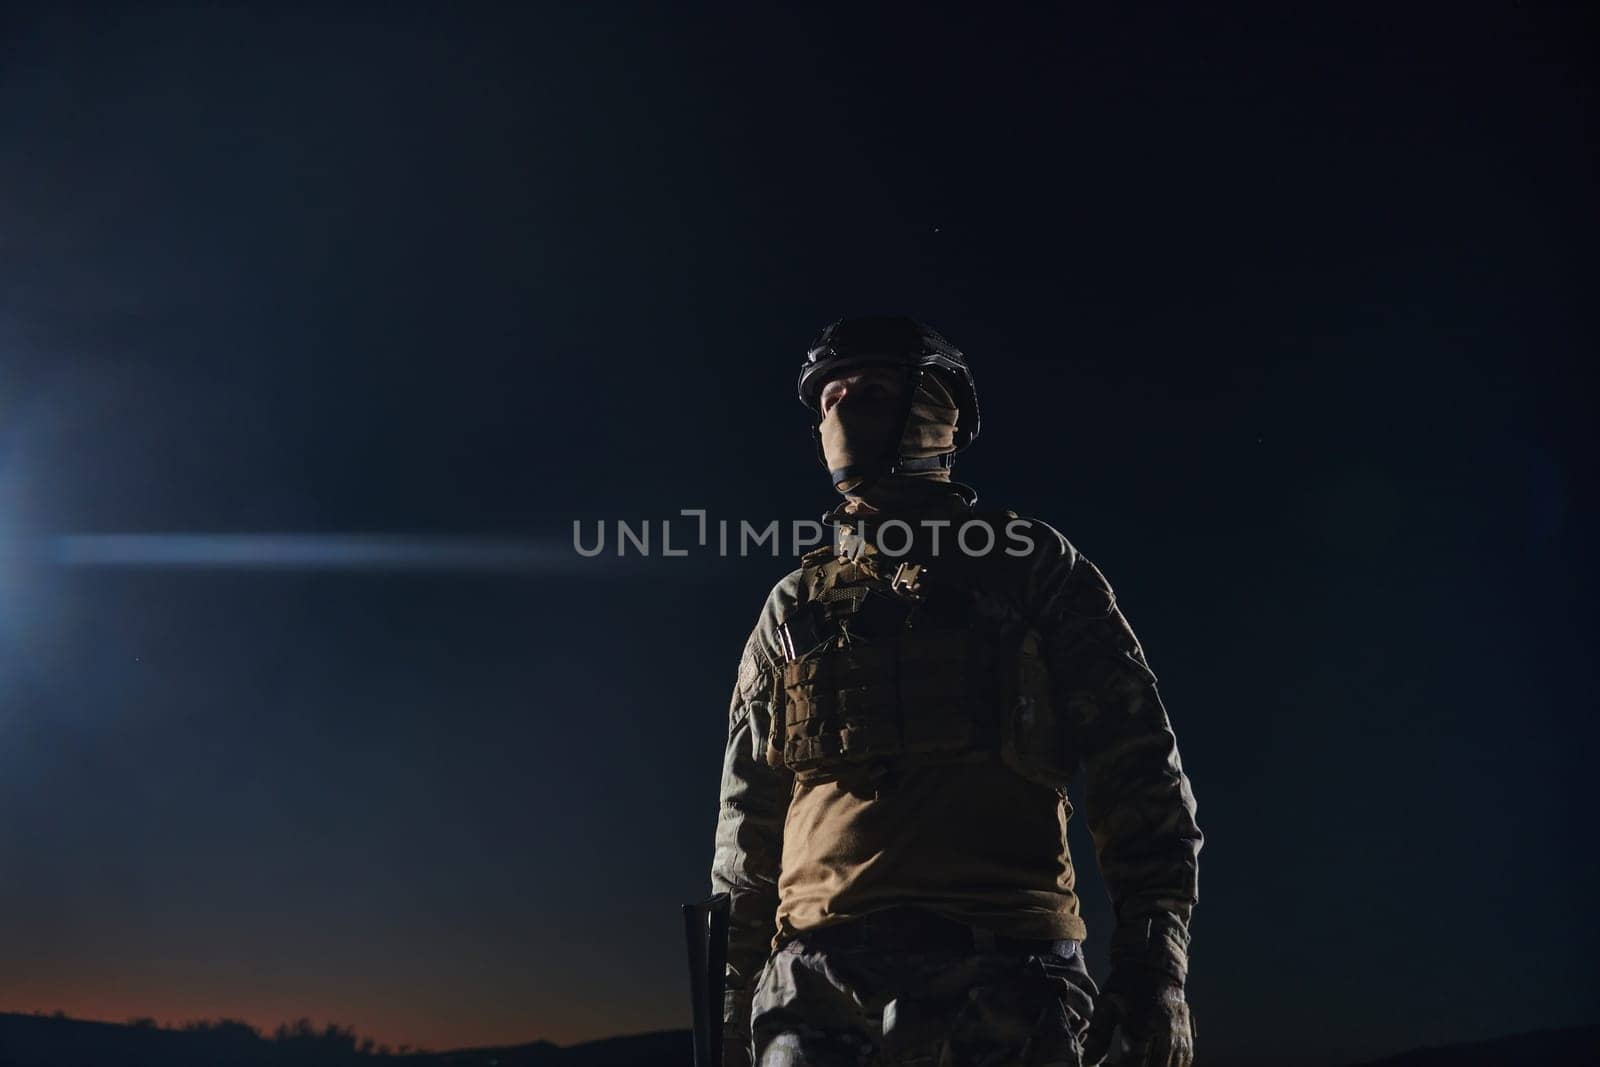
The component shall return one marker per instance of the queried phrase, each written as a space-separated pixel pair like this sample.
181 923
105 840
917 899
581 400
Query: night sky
1281 315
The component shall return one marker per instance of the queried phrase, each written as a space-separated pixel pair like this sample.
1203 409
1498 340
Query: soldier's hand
1152 1016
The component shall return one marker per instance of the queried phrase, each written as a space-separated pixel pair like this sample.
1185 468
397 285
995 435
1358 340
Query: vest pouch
839 710
874 671
1035 740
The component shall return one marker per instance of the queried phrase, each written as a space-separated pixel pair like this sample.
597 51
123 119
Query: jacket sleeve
749 839
1137 800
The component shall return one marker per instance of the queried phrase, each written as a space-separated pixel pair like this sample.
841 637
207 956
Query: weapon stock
705 927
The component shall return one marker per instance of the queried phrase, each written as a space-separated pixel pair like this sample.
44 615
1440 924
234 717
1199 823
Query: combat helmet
894 341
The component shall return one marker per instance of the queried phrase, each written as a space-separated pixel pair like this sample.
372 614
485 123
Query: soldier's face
859 412
865 389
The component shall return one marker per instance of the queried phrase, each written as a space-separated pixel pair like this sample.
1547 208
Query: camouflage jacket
1137 800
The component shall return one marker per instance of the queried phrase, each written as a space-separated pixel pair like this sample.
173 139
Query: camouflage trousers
853 1006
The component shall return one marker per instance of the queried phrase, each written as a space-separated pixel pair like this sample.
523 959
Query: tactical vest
885 658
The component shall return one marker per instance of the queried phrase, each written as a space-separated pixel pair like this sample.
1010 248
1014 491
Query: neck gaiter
855 435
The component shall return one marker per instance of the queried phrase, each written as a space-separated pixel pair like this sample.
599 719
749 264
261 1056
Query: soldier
907 714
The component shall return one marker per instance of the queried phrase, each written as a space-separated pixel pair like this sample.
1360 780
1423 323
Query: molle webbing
874 672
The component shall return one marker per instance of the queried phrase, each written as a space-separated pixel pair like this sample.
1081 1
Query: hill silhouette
56 1041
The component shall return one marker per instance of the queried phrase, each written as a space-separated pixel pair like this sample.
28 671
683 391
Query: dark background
1281 313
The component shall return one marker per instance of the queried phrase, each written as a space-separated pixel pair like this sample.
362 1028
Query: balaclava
855 433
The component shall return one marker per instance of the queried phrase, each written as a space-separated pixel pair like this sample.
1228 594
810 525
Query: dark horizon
57 1041
1279 317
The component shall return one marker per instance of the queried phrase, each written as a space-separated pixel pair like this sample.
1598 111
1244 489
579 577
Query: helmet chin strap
873 476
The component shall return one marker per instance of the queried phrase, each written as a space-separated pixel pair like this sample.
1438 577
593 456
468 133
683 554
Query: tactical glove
1152 1015
1143 998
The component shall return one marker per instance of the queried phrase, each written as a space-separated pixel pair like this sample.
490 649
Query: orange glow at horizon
439 1030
